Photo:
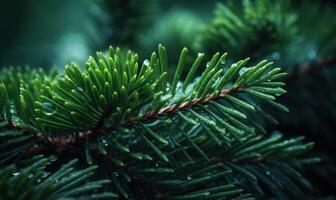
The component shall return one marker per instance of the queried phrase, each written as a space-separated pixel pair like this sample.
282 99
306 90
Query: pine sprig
256 28
109 91
33 182
174 139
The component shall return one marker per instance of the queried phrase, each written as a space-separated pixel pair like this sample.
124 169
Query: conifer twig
66 143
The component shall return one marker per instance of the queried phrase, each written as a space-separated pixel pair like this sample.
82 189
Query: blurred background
297 35
49 32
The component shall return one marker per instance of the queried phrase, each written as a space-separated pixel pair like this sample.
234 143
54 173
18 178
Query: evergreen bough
298 36
255 28
152 135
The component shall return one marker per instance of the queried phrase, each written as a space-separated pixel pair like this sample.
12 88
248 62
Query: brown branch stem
61 143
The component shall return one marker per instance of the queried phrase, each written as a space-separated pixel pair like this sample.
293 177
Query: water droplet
208 64
157 164
39 180
200 54
15 173
276 55
49 108
189 177
167 87
53 158
146 62
242 70
105 143
79 88
125 130
223 61
45 174
268 173
30 176
116 173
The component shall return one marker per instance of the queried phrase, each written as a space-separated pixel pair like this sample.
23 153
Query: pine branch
178 108
193 101
196 98
43 145
255 29
33 182
142 127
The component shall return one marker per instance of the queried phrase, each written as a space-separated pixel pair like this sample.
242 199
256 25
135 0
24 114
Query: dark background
49 32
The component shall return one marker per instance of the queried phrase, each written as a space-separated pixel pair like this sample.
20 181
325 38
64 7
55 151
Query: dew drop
200 54
275 55
146 62
79 88
49 108
242 70
208 64
125 130
167 87
30 176
105 143
116 174
268 173
15 173
53 158
45 174
189 177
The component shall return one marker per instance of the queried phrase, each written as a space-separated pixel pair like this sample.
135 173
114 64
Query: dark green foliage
34 183
264 26
112 85
153 136
318 44
22 86
14 143
297 35
120 21
179 125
